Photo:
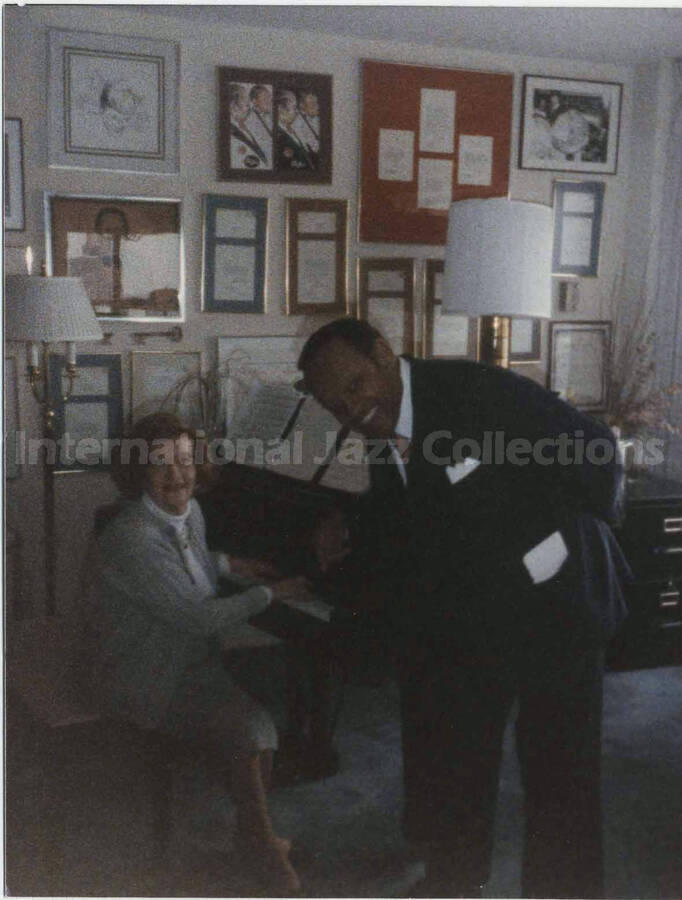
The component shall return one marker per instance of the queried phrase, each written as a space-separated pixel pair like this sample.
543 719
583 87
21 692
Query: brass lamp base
493 340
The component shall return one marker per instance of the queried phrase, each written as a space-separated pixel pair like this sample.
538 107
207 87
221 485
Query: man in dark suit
485 529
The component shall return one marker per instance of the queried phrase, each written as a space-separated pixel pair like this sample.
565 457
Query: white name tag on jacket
461 469
546 558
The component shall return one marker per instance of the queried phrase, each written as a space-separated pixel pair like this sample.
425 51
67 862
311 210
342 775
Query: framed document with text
430 136
234 253
316 234
578 359
444 337
386 299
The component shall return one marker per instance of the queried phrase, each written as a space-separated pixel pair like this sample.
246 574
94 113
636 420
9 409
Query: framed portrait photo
126 250
13 175
274 126
570 125
578 360
234 253
113 102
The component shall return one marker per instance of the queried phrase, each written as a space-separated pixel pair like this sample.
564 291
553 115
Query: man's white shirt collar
404 424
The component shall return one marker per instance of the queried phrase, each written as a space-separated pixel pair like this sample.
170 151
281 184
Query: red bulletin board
391 98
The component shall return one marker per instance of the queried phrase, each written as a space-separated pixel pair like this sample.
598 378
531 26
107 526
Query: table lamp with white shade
41 312
498 266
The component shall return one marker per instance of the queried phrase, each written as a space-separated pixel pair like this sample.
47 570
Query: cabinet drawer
651 537
660 602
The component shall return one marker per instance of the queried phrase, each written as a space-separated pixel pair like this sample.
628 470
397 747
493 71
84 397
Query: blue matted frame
111 398
245 237
589 207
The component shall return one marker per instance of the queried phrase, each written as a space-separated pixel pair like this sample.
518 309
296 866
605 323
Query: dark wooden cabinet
651 537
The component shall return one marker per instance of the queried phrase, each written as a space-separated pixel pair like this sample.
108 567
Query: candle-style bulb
71 352
34 354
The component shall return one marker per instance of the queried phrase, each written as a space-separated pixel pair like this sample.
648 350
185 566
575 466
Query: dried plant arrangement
635 400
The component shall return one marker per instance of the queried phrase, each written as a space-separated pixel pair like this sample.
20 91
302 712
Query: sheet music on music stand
260 400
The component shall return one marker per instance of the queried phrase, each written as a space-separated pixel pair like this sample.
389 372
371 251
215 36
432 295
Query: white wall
202 49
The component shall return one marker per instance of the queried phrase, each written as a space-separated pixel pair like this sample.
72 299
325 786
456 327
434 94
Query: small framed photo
168 380
274 126
578 207
13 174
92 417
113 102
386 299
578 360
234 253
525 341
12 438
444 337
316 239
126 250
570 125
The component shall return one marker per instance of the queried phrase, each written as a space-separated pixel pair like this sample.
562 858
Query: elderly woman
156 660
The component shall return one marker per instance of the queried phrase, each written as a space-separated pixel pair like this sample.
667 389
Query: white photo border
605 98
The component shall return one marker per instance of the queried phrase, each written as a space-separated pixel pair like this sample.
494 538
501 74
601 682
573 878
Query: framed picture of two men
274 126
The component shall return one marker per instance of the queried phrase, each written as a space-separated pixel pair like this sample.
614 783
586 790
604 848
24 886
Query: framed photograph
163 379
11 419
13 174
127 251
430 135
525 340
444 337
274 126
92 416
386 299
578 209
113 102
234 253
569 125
316 238
578 360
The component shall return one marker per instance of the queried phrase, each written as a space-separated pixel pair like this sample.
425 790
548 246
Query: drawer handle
668 599
667 551
672 526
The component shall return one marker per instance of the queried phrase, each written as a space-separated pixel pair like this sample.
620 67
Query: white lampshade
498 259
48 309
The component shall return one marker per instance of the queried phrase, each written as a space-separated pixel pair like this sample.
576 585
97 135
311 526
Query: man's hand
331 540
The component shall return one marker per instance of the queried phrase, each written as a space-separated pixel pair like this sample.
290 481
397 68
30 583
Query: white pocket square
461 469
546 558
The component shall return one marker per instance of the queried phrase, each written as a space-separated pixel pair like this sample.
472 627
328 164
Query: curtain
668 286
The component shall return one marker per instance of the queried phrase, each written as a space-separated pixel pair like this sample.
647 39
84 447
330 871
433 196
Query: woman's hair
137 450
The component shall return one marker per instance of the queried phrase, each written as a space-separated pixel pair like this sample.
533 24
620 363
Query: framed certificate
444 337
234 253
386 299
93 414
578 209
578 359
316 236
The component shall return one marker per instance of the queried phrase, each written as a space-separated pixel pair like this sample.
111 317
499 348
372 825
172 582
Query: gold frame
431 268
405 267
294 236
